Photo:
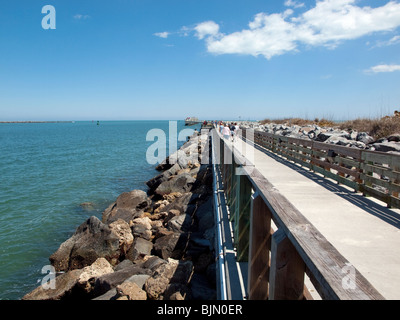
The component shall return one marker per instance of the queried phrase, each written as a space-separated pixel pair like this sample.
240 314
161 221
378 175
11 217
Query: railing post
242 216
286 280
230 174
260 243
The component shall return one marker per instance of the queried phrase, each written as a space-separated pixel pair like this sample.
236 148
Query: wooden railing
279 243
375 174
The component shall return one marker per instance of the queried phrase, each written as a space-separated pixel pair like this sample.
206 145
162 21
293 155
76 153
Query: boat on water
189 121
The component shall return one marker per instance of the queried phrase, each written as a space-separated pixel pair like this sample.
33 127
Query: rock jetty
156 245
331 135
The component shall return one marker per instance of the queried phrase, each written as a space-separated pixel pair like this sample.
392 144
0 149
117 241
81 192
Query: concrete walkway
362 229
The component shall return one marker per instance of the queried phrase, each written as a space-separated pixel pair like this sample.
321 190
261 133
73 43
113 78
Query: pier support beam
287 270
242 216
260 243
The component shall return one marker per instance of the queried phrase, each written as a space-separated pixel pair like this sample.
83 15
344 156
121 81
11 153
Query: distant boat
190 121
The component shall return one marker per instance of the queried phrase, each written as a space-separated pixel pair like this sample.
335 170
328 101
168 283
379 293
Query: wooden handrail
278 260
375 174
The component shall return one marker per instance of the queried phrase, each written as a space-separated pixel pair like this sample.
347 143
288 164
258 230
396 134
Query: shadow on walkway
356 198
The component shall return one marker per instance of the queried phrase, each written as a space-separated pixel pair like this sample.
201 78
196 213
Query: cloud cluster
328 23
81 16
294 4
164 34
384 68
392 41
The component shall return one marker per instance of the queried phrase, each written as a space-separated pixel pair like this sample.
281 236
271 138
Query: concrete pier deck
361 228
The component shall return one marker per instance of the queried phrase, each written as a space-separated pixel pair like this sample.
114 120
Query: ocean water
47 171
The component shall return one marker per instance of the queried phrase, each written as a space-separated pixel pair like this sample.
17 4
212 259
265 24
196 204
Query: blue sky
215 59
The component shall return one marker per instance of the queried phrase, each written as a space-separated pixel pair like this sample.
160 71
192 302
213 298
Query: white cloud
384 68
294 4
208 28
81 16
164 34
327 24
392 41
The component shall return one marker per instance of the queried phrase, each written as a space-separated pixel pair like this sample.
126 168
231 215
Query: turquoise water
47 171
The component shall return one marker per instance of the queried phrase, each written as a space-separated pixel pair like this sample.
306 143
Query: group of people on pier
228 130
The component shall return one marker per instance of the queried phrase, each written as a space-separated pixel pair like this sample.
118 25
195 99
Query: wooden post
228 172
260 242
242 216
397 169
234 199
286 280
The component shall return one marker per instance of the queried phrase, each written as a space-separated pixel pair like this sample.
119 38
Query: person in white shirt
226 132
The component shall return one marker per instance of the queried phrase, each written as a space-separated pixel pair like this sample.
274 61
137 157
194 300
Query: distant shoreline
36 121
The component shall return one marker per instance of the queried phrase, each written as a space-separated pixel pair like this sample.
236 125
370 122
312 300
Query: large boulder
140 248
171 246
75 283
92 240
364 137
122 229
180 223
64 285
138 279
323 136
156 181
387 146
172 275
130 291
181 183
184 204
109 281
97 269
141 227
128 206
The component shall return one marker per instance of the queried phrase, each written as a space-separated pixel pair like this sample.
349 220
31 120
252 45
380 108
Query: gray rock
127 207
323 136
182 204
337 140
130 291
181 183
139 279
170 246
167 274
180 223
123 231
64 285
139 249
364 137
394 137
112 280
124 264
92 240
109 295
153 262
141 227
387 146
72 283
156 181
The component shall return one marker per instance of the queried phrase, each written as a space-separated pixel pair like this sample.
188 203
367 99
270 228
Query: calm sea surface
47 170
